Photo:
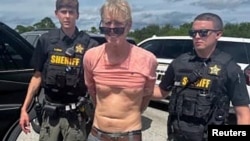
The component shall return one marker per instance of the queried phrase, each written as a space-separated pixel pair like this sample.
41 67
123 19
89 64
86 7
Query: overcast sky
144 12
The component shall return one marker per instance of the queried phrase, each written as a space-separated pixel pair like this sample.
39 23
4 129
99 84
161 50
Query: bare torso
118 109
120 83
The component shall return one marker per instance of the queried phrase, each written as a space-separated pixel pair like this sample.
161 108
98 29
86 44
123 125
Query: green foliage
94 30
167 30
44 23
237 30
230 30
21 28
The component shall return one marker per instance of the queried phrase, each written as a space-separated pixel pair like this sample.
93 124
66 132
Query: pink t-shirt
137 71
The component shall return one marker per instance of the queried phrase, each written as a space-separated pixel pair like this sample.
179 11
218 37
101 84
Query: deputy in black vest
202 83
58 69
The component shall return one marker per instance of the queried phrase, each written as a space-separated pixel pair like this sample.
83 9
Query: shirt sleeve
167 81
88 72
236 85
39 55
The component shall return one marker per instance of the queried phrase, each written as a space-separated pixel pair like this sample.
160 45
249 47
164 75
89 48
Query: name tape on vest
63 60
203 83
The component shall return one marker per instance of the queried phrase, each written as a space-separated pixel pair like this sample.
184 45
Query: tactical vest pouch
55 77
172 103
179 103
189 104
187 131
72 77
62 78
203 106
220 116
220 111
60 81
70 80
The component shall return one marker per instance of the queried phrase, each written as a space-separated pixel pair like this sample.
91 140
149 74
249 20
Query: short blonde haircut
118 9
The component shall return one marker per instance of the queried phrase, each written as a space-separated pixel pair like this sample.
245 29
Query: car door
15 73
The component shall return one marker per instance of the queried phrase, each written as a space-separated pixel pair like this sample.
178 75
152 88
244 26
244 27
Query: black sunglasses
107 31
202 32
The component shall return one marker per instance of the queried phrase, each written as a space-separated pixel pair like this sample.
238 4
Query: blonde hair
117 9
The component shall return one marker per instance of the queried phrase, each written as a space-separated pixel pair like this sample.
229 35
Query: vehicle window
240 51
131 41
153 46
9 58
168 48
32 39
100 40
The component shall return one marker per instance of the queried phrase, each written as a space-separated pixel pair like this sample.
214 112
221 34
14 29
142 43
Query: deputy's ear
219 34
56 13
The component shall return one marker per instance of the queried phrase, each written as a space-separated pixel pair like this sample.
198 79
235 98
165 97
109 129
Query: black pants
181 138
184 131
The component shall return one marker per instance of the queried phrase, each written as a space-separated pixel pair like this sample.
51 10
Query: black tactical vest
196 101
63 72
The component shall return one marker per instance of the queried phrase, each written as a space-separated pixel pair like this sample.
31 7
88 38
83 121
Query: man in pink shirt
120 78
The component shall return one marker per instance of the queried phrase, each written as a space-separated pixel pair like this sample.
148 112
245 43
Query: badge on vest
79 48
214 70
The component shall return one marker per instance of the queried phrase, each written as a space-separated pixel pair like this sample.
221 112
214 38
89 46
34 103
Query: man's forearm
33 88
30 94
243 115
243 119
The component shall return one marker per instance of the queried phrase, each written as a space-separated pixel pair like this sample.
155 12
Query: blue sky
144 12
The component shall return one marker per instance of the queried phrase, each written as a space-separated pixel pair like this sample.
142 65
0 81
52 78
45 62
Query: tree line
230 29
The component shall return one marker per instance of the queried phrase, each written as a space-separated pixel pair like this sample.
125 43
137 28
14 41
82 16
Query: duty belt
57 109
65 107
124 136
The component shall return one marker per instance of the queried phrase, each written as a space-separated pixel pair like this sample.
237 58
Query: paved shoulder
154 125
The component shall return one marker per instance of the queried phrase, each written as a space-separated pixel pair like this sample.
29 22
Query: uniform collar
64 37
195 57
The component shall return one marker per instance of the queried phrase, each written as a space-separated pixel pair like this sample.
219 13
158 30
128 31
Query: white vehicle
167 48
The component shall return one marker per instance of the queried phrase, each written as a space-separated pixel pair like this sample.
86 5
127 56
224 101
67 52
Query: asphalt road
154 126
